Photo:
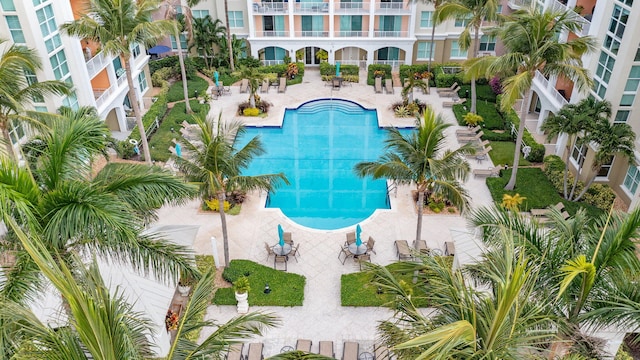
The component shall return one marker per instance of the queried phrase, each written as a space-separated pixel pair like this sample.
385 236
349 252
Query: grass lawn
502 153
357 289
533 184
483 92
287 289
161 139
176 93
492 119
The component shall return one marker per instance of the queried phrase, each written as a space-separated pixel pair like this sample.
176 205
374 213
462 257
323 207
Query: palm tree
206 34
119 25
572 120
475 12
436 5
16 93
613 139
103 325
216 164
410 83
255 77
237 47
229 43
417 158
76 211
530 38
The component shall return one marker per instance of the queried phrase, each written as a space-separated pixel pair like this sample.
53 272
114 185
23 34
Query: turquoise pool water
317 147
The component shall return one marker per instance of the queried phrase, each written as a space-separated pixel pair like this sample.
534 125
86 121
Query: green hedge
156 110
281 69
483 92
328 69
374 67
537 150
446 80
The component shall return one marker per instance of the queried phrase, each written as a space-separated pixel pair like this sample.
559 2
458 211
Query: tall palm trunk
433 36
516 156
476 48
133 98
575 183
229 44
420 211
573 140
183 72
7 139
223 219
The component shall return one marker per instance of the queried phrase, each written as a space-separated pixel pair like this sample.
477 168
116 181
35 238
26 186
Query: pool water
316 148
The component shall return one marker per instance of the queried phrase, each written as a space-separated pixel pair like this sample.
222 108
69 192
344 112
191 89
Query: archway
352 56
390 55
272 55
309 55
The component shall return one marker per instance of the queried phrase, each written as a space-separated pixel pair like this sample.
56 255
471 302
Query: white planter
184 290
243 304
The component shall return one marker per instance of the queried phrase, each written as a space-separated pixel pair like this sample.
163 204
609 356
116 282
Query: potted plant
241 288
184 284
322 55
300 55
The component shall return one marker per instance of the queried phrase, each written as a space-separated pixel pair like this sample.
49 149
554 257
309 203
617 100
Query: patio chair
362 258
468 131
235 352
269 249
452 93
264 88
287 238
294 252
402 250
351 238
378 85
282 87
421 246
388 86
325 348
370 244
454 102
350 350
244 86
381 352
347 254
449 248
280 259
336 83
490 172
449 89
255 351
468 139
303 345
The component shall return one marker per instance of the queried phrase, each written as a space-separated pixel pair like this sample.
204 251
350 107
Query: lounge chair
543 212
421 246
491 172
454 102
325 348
378 85
545 219
350 350
282 87
303 345
468 131
264 88
370 244
451 93
255 351
244 86
468 139
381 352
270 251
402 250
482 154
388 86
280 259
449 248
449 89
235 352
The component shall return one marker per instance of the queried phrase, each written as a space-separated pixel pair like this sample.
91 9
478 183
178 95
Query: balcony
549 91
311 7
392 8
268 8
390 33
518 4
104 95
351 8
312 33
97 63
556 5
272 33
358 34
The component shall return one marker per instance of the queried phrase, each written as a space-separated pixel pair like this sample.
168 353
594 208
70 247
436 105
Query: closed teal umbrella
281 234
358 231
338 69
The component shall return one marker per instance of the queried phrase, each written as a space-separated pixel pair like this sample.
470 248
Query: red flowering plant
171 320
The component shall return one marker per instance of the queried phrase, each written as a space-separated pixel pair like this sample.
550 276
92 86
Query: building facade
97 79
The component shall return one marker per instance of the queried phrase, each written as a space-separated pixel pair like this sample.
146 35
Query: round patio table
282 250
357 249
365 356
436 252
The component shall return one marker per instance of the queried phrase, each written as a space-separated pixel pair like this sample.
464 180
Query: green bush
160 77
492 119
169 61
281 70
374 67
600 196
443 79
157 110
328 69
287 289
497 136
251 112
249 61
472 119
553 163
124 149
197 84
408 70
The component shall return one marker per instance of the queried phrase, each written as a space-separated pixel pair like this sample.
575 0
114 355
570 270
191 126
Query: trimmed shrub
600 196
251 112
496 136
250 61
328 69
169 61
496 85
553 163
472 119
377 67
160 77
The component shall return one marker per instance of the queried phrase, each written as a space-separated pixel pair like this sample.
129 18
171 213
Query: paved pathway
321 317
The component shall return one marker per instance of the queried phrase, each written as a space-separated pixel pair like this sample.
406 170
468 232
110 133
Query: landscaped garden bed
287 289
176 92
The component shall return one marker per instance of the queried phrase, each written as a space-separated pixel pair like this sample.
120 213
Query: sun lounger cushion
255 351
303 345
381 352
326 348
350 351
402 249
235 352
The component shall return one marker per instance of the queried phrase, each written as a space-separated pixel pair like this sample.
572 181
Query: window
618 21
312 25
16 132
235 19
456 52
33 79
183 42
15 29
71 101
7 5
350 25
627 2
424 50
603 73
135 50
199 14
60 66
42 109
462 21
390 25
273 53
630 89
622 116
611 44
487 43
46 20
38 2
142 81
579 153
426 19
637 57
499 9
605 168
53 43
632 179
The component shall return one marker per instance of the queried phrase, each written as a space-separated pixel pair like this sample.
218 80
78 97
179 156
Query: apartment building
98 80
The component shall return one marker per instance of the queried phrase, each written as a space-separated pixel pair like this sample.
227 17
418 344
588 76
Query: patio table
282 249
357 249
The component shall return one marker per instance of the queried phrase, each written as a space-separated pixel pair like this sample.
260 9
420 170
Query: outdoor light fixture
267 289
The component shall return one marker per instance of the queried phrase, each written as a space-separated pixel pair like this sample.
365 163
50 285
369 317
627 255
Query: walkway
321 317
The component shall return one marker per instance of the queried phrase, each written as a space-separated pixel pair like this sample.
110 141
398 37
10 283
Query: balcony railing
556 5
393 7
266 7
312 33
97 63
550 90
351 7
352 33
102 95
518 4
272 62
394 63
390 33
272 33
312 7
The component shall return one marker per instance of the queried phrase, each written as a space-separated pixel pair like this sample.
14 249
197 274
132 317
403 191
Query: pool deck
322 317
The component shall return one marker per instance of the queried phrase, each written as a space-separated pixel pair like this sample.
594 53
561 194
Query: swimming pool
316 148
